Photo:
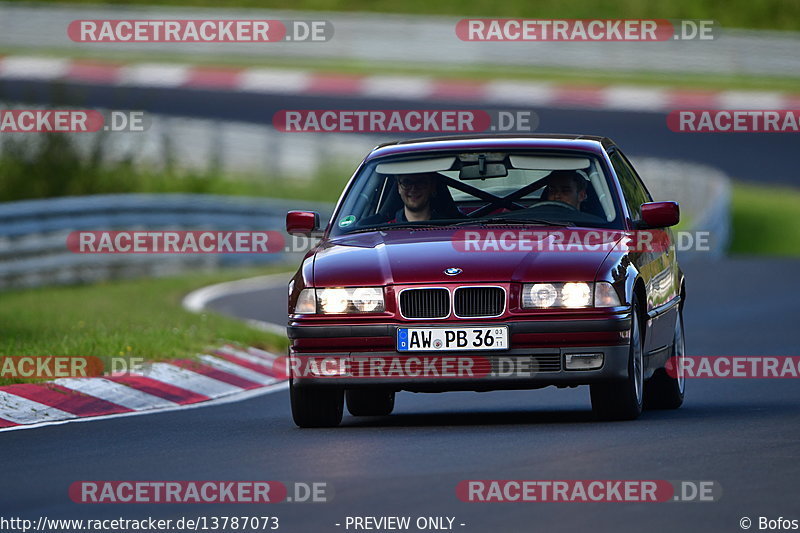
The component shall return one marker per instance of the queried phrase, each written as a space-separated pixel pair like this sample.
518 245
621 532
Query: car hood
422 256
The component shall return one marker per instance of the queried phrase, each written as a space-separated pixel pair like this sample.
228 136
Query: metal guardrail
33 234
409 39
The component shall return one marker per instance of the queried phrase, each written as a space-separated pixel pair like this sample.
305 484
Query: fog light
327 367
584 361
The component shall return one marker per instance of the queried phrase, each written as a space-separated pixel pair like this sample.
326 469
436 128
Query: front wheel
622 400
665 390
314 407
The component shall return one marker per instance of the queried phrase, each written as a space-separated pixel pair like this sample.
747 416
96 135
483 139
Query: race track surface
760 157
741 433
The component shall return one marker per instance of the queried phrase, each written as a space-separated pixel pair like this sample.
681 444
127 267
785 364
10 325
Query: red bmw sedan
488 263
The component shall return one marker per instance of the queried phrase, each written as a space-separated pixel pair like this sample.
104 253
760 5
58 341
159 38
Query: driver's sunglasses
407 184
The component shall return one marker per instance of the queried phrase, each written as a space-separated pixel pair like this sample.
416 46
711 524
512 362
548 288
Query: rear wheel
364 402
622 400
664 391
314 407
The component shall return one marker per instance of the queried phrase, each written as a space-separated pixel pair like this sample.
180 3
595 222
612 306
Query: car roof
590 143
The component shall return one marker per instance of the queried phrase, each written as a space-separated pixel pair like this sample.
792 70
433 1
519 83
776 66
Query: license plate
443 339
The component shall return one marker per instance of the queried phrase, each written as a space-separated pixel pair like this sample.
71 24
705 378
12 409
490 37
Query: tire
664 391
314 407
370 402
622 400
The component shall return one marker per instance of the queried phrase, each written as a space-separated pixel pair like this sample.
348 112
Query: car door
657 265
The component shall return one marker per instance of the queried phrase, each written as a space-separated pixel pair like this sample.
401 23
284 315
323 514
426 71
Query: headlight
368 299
539 295
339 300
332 300
576 295
545 295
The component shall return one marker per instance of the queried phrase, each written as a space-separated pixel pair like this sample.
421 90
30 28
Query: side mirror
302 222
661 214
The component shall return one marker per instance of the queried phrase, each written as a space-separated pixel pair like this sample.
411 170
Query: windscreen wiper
401 225
412 225
513 221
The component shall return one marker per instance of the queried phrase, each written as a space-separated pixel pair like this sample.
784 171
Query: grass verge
132 318
765 220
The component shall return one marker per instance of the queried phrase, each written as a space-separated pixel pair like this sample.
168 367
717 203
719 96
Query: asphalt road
742 434
762 157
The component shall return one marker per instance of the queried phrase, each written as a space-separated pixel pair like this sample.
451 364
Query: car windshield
480 188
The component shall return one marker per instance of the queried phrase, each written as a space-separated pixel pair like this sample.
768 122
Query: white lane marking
236 370
24 411
750 100
116 393
396 87
238 397
154 75
636 98
520 92
33 68
189 380
274 80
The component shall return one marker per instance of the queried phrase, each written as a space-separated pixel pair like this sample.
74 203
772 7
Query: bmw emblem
453 271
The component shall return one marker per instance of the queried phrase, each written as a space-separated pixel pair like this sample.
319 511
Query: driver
566 186
416 191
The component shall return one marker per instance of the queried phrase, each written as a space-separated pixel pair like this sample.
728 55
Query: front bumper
594 325
521 368
353 355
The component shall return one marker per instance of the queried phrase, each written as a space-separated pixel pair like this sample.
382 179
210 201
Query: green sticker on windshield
346 221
